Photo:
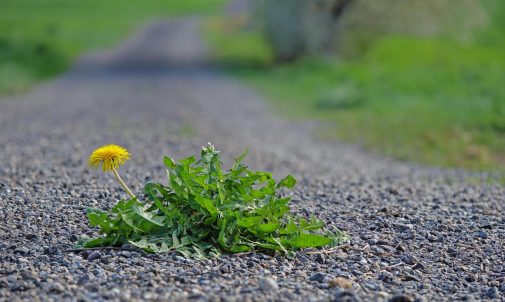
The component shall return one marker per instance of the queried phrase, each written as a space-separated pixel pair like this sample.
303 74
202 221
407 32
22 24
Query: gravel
418 233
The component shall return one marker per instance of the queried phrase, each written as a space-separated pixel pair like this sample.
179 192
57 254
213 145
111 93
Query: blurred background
419 80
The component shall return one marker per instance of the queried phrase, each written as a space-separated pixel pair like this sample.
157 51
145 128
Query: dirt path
417 233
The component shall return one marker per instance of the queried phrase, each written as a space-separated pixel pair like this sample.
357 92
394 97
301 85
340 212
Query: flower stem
125 187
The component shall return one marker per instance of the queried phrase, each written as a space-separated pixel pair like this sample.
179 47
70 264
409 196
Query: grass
40 38
431 100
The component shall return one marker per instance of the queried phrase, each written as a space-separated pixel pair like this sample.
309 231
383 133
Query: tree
296 28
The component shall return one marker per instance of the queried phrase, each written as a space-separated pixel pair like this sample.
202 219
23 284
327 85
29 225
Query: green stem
125 187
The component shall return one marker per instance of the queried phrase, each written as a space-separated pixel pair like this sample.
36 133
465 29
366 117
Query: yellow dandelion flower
109 157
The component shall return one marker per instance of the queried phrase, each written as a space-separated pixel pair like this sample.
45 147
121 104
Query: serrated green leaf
290 228
184 251
169 162
90 243
239 159
309 240
287 182
240 248
203 203
248 222
268 227
149 216
312 225
100 218
175 241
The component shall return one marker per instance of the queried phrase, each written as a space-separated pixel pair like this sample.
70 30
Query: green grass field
430 100
40 38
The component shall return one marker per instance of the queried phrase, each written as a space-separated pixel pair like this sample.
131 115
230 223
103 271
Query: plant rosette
202 211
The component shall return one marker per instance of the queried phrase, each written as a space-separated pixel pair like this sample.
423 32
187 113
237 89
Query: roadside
431 100
40 39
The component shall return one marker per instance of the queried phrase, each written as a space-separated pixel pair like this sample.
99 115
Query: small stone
385 278
400 247
487 226
246 290
17 286
409 259
116 277
502 288
407 277
492 293
52 250
180 259
344 296
452 251
470 278
28 275
106 259
319 277
22 251
94 255
225 268
365 268
372 241
400 298
340 282
342 256
56 287
125 254
82 280
383 210
482 234
11 278
268 284
432 238
375 266
31 236
320 258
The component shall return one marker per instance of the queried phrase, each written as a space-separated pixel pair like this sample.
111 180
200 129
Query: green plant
203 211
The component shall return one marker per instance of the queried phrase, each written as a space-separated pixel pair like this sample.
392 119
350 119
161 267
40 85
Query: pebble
318 277
56 287
268 284
482 234
492 293
401 298
94 255
340 282
344 296
409 259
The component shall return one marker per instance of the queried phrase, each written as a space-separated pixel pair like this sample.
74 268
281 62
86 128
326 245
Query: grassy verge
430 100
40 38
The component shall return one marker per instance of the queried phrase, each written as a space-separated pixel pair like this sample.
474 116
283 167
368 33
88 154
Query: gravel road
418 234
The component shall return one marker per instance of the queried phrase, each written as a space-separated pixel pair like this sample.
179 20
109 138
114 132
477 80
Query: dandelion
110 157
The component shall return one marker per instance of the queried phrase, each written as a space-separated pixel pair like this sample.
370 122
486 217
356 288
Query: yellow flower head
110 157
